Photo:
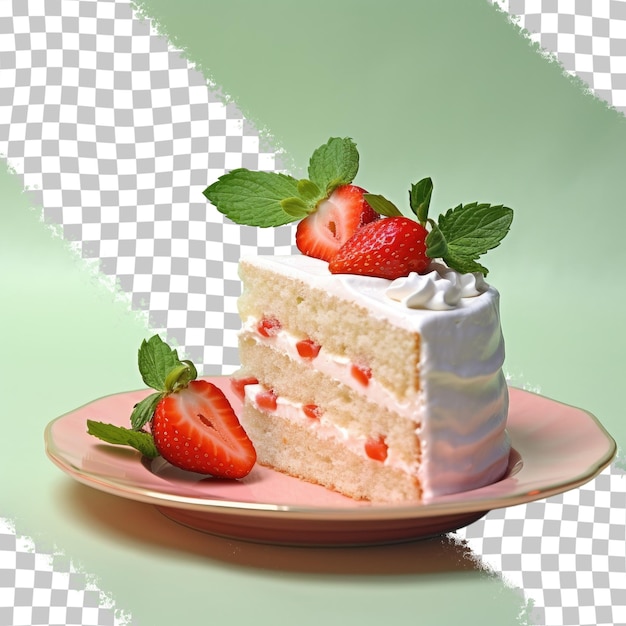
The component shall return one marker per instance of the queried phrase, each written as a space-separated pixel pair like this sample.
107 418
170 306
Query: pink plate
555 448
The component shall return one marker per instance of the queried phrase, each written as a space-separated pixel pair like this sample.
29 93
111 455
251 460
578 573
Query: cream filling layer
325 428
337 368
458 454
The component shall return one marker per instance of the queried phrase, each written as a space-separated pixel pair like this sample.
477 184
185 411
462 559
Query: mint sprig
461 235
333 164
253 198
121 436
161 369
266 199
470 231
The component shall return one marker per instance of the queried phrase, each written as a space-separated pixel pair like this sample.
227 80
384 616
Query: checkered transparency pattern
38 587
587 37
567 553
116 135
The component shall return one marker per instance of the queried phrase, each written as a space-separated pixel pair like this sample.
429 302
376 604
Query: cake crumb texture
293 449
345 330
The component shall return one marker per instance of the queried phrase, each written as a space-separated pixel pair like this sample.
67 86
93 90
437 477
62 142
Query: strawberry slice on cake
334 221
374 357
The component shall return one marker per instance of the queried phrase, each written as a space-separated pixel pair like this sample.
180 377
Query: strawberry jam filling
324 424
267 400
312 411
308 349
269 327
376 448
361 373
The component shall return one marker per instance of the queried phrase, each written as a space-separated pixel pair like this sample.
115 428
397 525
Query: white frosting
440 289
462 405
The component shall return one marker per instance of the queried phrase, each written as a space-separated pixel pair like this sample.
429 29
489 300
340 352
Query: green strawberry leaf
471 230
253 198
156 359
436 245
419 199
180 376
121 436
296 207
333 164
144 410
309 191
160 369
381 205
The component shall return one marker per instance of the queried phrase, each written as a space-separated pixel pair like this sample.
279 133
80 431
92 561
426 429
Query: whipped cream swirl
440 289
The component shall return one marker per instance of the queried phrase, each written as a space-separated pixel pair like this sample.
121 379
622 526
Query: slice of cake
364 395
374 359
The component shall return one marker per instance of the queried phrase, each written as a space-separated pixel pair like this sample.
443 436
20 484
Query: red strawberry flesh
308 349
376 448
336 219
269 327
390 248
312 411
361 373
196 429
267 400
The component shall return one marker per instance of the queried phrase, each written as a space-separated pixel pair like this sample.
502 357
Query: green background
448 90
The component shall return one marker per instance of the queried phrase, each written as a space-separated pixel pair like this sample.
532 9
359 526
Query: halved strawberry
196 429
336 219
390 248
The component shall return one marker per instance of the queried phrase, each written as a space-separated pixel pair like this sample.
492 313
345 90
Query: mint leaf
253 198
419 198
156 359
120 436
333 164
471 230
381 205
144 410
464 265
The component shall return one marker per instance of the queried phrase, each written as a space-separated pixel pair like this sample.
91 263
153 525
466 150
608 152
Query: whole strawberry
396 246
389 248
192 424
